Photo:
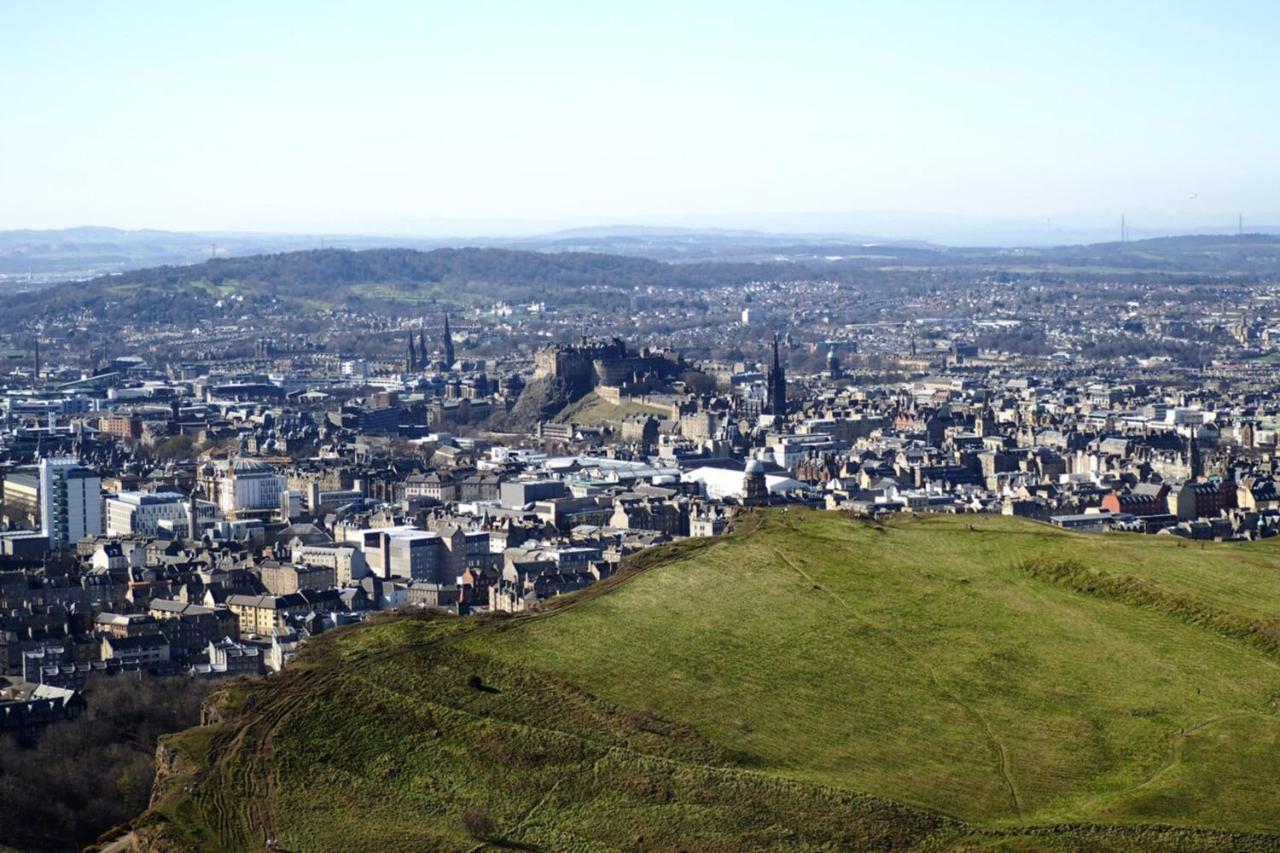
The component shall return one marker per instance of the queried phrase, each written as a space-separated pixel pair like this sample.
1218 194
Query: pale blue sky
379 117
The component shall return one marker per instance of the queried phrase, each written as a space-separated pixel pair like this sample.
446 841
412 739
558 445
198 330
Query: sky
433 117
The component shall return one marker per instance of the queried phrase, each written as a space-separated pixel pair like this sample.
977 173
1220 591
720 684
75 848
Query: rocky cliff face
171 766
213 709
540 400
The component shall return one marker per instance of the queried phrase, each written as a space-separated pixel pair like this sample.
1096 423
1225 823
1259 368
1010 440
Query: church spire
446 341
411 363
193 522
777 383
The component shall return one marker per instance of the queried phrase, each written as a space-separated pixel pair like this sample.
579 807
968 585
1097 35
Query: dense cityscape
200 500
639 428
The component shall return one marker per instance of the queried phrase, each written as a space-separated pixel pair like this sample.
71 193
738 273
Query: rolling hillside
809 682
385 279
402 280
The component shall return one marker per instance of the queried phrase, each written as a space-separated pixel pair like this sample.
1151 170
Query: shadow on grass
509 844
475 682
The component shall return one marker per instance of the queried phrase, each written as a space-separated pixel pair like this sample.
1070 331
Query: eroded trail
248 775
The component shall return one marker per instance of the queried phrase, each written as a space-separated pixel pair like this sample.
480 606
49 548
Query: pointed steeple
777 383
446 342
193 523
1194 462
411 363
422 348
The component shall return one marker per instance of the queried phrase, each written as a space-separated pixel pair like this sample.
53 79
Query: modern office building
141 512
70 501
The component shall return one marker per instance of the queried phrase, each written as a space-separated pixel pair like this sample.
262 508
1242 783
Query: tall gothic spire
1194 461
777 383
411 363
447 342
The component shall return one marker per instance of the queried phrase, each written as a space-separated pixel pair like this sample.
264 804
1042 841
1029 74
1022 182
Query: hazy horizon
393 120
888 226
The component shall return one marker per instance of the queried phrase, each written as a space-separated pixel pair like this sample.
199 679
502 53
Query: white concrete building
141 512
70 501
721 483
251 488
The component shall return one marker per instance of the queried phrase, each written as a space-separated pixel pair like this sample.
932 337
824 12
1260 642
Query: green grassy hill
810 682
593 410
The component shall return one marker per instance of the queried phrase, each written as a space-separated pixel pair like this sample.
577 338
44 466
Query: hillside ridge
338 277
540 743
402 280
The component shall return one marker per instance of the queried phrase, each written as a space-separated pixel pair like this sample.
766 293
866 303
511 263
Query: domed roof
754 466
247 466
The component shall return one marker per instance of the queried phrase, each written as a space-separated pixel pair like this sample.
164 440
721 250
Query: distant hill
808 682
84 252
37 257
80 251
339 277
386 278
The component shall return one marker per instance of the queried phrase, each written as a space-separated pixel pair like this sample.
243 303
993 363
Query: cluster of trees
1183 353
65 785
180 446
1031 341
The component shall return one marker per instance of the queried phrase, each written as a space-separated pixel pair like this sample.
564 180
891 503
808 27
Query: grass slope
593 410
812 682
